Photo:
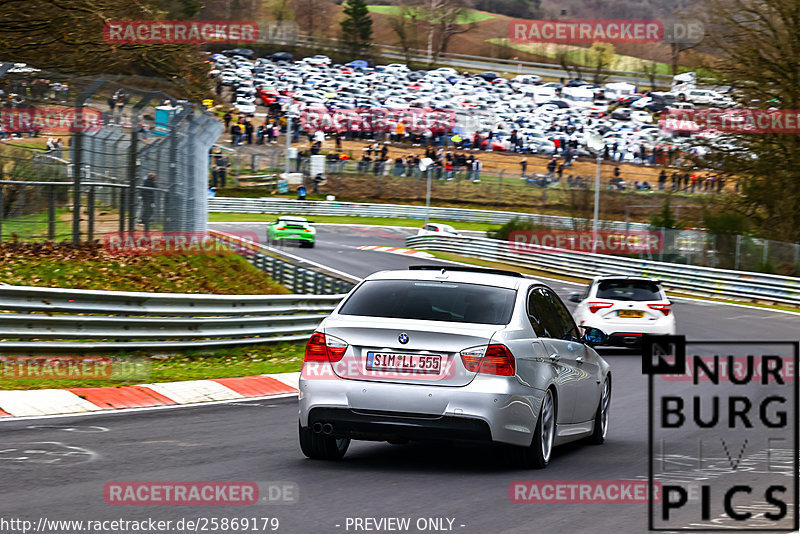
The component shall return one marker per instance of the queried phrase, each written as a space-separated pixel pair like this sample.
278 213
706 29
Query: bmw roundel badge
403 338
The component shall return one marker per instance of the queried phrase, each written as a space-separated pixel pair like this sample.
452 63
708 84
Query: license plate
294 237
404 363
630 313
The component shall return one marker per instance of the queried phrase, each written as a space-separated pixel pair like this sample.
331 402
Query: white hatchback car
438 229
625 308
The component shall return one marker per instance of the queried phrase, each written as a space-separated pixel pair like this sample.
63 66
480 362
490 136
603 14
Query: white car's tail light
594 306
489 360
663 308
321 348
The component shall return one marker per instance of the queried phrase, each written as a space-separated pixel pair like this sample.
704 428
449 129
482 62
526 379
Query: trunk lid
430 355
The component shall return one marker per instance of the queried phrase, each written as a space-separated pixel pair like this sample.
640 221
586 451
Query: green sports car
292 228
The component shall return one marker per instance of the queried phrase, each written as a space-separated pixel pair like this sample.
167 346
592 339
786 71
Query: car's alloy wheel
547 426
602 415
537 454
320 446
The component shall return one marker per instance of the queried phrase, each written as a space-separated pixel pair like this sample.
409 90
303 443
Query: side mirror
593 336
575 297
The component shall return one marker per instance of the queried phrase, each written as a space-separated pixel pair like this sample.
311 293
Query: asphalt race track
57 467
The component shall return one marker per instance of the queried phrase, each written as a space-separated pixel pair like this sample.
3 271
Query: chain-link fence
82 157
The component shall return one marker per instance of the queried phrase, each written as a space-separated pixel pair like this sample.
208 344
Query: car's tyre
537 454
320 446
601 416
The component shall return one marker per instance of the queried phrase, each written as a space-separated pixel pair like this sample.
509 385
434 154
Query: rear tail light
663 308
594 306
489 360
472 358
321 348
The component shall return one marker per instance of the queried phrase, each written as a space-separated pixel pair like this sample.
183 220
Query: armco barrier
152 321
688 279
362 209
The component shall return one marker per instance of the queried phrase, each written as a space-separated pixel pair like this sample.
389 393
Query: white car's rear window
636 290
431 301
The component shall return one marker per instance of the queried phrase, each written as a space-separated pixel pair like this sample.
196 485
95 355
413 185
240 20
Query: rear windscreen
432 301
628 290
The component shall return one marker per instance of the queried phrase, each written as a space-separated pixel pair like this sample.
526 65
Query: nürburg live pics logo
722 434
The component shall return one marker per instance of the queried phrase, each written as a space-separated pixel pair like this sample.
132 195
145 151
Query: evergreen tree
356 26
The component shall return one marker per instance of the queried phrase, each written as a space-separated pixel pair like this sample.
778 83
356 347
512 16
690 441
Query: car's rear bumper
389 426
294 237
488 409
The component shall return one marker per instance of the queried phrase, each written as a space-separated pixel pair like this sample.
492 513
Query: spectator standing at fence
220 171
248 131
236 134
551 165
662 180
694 182
477 165
148 196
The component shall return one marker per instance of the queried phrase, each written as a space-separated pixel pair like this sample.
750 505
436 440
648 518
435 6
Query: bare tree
443 17
312 15
650 68
405 25
600 56
566 63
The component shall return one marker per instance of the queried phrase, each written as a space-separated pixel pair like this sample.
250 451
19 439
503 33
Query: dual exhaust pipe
322 428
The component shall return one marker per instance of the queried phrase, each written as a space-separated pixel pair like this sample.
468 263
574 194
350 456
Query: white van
539 93
617 90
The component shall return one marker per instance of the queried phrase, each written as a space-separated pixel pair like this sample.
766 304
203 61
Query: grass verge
90 267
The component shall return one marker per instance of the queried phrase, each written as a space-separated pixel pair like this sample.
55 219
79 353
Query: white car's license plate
404 363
